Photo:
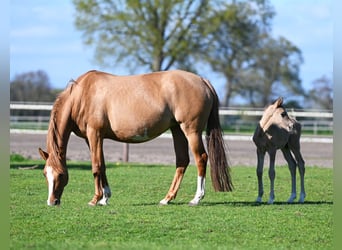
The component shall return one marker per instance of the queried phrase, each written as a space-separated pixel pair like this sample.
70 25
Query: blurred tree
32 86
152 34
255 66
274 72
321 93
232 39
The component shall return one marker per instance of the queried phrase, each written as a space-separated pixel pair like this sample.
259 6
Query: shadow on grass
239 203
253 203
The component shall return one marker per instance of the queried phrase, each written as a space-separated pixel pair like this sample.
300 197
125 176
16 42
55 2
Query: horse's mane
57 153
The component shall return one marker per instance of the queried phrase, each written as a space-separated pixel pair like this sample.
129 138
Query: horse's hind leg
102 190
301 168
182 161
292 167
201 158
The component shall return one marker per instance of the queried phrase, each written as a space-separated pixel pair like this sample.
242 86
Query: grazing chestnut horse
276 130
136 109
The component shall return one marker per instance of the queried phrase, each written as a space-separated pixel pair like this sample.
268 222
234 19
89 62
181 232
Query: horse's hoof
164 202
192 204
195 202
259 200
103 202
91 203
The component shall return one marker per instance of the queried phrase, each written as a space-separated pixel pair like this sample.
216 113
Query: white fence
235 119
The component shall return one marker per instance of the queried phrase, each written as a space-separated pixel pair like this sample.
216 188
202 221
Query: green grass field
134 220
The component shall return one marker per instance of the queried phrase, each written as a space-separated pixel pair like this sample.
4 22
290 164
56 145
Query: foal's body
136 109
276 130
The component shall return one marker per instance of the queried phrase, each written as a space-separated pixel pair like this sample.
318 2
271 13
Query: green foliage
134 220
152 34
233 37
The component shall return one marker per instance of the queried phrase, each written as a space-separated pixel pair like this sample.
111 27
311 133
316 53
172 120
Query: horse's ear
279 102
43 154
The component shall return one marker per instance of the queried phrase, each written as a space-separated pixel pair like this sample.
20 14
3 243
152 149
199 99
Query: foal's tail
219 167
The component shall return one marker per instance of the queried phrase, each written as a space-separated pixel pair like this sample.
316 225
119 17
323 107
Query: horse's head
276 115
56 177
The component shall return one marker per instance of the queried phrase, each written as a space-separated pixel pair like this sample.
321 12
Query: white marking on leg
199 192
49 178
106 195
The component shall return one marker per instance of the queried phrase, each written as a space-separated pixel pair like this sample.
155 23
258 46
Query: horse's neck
58 134
262 123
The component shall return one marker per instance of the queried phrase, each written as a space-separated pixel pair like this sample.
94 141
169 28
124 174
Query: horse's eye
283 114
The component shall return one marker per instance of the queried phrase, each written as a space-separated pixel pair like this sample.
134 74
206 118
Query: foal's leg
294 145
102 190
182 161
292 167
271 175
259 172
201 158
301 168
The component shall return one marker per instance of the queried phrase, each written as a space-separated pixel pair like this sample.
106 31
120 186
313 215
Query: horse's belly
139 134
134 137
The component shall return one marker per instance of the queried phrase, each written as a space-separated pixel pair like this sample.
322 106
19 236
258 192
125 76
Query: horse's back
140 106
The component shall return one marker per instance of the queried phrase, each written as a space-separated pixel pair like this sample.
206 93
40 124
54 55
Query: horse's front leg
271 175
102 190
106 192
259 173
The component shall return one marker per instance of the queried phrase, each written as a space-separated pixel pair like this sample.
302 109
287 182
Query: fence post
125 152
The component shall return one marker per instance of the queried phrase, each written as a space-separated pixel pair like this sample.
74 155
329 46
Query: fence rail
223 111
233 119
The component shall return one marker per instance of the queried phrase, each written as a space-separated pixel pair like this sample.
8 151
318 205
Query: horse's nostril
57 202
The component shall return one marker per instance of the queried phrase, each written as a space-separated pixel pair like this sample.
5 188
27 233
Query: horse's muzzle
56 202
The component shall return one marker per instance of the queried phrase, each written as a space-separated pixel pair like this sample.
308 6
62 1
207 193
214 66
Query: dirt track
160 150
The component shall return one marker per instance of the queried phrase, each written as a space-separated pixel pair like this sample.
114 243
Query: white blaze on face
49 178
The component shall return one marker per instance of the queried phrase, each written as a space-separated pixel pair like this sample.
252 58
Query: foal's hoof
258 200
270 201
301 198
292 198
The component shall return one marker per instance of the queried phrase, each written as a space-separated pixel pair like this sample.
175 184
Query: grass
134 220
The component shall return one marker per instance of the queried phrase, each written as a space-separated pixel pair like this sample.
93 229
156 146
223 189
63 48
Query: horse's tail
219 166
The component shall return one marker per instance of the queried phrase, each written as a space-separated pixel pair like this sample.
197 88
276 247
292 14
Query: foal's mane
57 153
